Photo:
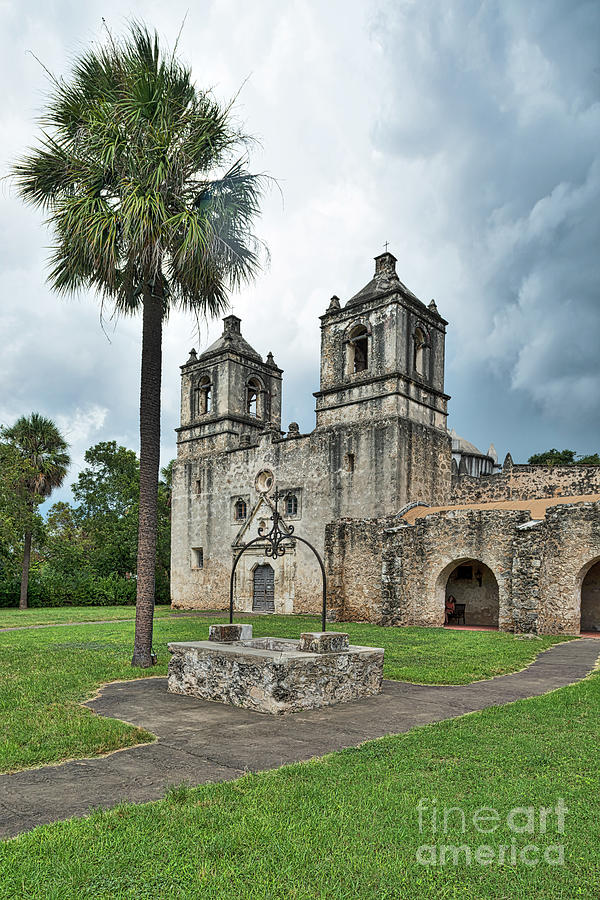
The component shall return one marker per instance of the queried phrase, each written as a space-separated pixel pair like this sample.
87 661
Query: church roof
460 445
385 281
231 339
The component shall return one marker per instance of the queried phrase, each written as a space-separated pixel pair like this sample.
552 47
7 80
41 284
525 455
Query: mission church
403 511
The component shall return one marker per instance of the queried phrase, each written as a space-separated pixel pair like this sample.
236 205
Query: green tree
163 556
39 442
110 481
16 515
107 491
556 457
66 571
166 481
67 547
146 186
553 458
97 539
592 459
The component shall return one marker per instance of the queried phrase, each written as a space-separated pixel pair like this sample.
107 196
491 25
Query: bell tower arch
382 354
226 392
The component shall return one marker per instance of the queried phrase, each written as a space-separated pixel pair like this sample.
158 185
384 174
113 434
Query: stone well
274 675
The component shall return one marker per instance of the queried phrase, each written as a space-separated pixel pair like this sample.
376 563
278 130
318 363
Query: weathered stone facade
492 540
522 482
380 441
276 675
518 574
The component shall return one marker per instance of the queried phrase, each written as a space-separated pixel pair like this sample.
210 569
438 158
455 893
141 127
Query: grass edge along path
46 674
69 615
347 825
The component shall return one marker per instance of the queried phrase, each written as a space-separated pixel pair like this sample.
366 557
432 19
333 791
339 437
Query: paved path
200 741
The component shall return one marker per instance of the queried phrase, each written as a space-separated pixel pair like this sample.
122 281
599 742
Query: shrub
83 588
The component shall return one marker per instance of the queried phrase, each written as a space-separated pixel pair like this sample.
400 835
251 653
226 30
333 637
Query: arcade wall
522 482
391 573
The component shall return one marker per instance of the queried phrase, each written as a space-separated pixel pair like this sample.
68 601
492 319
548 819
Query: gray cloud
465 133
498 102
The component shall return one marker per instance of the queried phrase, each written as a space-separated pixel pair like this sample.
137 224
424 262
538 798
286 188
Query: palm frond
38 440
138 171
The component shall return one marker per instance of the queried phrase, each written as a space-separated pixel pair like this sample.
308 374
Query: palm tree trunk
25 573
149 466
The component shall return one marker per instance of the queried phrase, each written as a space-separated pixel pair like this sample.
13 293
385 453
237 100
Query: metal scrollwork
279 531
275 539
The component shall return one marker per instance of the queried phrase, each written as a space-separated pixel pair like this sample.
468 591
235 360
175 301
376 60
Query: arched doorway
473 584
263 592
590 599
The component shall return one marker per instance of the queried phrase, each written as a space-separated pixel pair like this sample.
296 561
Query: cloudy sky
464 132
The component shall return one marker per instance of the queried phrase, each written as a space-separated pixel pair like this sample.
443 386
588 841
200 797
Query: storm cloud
464 133
496 105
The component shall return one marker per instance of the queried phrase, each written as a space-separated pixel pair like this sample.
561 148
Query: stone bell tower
382 354
228 395
381 401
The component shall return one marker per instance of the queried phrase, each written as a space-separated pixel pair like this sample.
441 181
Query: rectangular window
290 504
197 558
349 462
240 509
198 487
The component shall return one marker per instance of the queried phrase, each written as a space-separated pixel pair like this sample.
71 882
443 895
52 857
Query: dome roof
236 342
460 445
384 282
231 339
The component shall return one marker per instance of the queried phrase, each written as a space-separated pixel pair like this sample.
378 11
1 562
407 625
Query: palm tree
39 442
145 182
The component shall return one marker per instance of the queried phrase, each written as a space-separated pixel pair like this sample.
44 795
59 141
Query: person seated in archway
450 608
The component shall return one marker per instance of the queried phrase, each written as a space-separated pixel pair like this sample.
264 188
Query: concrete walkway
201 742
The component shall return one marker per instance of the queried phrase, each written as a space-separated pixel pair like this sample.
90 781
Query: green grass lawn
347 826
45 674
60 615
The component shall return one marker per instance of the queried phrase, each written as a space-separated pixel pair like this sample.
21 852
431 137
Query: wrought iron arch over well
275 547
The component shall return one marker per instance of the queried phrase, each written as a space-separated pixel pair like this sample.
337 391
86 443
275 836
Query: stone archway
590 597
473 583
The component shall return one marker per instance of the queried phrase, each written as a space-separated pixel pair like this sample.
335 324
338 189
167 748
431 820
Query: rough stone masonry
379 451
275 675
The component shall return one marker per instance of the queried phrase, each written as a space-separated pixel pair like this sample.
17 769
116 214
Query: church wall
391 380
353 561
539 567
441 543
389 396
385 342
380 443
572 541
391 324
522 482
206 520
368 468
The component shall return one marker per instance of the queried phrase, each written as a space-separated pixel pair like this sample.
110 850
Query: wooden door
263 597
